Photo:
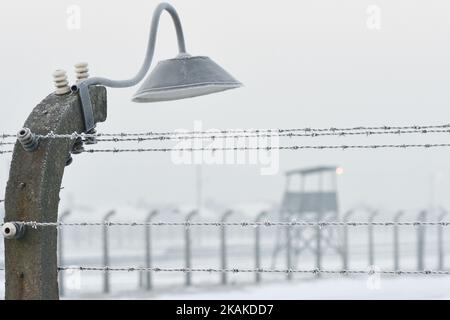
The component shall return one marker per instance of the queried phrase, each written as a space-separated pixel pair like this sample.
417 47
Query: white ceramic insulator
82 71
61 83
9 230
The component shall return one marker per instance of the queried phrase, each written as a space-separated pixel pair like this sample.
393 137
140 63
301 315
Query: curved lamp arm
150 50
83 87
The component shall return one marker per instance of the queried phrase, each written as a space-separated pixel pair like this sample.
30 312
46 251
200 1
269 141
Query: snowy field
328 289
353 288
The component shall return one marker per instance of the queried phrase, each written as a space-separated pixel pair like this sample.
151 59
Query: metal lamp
184 76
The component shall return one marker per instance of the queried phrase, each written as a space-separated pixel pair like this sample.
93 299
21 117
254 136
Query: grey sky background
304 63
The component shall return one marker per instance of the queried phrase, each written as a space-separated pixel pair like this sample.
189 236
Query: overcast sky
308 63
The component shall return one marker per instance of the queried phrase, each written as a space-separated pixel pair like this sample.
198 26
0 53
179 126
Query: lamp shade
184 77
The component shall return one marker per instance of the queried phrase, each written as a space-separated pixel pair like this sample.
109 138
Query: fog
312 63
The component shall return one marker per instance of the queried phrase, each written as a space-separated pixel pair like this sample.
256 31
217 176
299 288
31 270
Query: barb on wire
259 270
267 223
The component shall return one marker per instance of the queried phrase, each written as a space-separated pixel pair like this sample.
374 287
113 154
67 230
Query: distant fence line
257 224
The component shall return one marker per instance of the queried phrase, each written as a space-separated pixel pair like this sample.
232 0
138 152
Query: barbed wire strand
416 128
267 148
266 223
270 148
266 135
212 136
259 270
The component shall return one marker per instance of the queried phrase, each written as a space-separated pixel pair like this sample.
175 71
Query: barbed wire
259 270
367 130
270 148
267 148
266 223
123 137
265 135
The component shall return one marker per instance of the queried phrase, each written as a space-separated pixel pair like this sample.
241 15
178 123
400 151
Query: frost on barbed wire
249 133
320 224
258 270
293 148
309 132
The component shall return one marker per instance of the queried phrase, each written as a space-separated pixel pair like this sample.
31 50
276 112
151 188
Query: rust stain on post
32 194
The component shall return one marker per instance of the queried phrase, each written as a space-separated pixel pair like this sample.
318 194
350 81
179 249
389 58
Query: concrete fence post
440 235
188 248
421 241
148 250
106 260
32 194
289 251
397 241
258 219
61 262
141 279
371 239
223 246
345 249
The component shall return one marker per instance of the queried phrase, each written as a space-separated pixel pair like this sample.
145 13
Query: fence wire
259 270
267 148
267 223
308 131
124 137
266 135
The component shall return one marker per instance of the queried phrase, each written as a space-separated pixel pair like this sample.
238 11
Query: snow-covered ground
330 288
360 287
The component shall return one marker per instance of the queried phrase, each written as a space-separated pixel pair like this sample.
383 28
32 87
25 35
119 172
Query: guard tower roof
311 170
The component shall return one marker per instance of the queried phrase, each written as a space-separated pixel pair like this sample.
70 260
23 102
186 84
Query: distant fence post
32 194
61 253
318 247
440 234
148 249
289 251
371 239
259 218
421 241
223 245
106 261
345 250
141 278
397 241
188 249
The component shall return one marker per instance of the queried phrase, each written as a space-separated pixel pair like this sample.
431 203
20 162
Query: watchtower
310 195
